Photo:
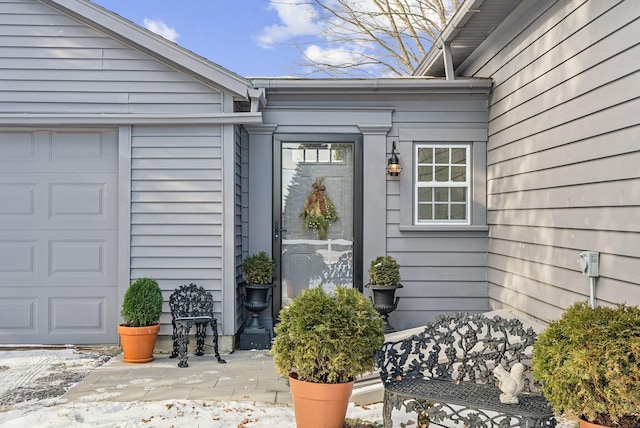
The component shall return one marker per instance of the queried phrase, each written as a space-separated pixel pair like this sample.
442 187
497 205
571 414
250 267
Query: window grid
316 153
442 177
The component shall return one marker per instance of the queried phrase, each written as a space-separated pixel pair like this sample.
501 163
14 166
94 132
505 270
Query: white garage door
58 236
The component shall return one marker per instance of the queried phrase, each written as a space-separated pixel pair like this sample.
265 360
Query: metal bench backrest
459 347
191 301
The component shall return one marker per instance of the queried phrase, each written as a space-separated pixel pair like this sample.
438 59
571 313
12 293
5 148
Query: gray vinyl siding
441 272
176 208
240 226
442 269
563 155
50 63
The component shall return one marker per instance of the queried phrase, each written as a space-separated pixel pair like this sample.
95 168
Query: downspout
258 98
449 72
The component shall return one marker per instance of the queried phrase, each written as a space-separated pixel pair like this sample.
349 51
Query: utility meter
589 261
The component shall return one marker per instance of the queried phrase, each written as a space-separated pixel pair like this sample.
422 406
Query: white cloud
161 29
332 56
339 56
298 19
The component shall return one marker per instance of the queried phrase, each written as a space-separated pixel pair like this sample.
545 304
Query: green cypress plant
588 363
327 337
384 271
258 268
142 304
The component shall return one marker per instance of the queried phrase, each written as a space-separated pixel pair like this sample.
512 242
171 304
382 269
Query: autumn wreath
318 212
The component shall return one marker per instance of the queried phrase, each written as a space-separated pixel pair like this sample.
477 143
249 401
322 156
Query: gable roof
471 25
152 44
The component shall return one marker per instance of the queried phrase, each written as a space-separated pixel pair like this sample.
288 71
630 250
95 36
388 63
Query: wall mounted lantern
393 166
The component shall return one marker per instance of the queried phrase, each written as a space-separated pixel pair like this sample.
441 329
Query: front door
316 235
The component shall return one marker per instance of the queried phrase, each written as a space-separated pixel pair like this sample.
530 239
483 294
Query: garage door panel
58 257
17 199
70 314
81 257
82 151
18 257
18 146
88 204
18 315
77 145
58 315
44 201
20 196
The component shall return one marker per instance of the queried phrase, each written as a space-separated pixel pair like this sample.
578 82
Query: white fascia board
390 85
153 44
90 119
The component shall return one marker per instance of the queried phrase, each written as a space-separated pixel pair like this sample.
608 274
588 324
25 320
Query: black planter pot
385 302
256 299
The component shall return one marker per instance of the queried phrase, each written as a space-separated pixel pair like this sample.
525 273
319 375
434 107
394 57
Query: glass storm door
315 233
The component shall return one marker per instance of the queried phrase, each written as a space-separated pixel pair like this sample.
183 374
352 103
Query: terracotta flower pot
320 405
138 342
586 424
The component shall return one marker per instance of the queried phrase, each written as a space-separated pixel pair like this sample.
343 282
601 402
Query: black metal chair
192 304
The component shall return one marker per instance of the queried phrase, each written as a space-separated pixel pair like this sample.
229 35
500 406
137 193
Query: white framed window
442 184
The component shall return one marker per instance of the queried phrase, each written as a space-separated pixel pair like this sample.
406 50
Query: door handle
278 231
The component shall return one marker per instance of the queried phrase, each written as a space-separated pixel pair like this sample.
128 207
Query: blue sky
249 37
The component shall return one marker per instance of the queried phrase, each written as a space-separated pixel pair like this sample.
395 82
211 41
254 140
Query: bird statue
510 383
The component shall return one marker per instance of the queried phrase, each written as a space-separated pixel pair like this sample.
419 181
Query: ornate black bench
191 304
446 372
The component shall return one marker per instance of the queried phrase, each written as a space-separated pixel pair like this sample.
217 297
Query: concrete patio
247 376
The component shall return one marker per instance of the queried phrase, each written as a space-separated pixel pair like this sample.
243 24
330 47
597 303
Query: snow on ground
31 383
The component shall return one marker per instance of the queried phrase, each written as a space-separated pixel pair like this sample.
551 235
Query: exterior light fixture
393 166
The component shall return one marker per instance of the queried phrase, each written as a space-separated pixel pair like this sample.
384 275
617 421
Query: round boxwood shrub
142 304
327 337
384 271
258 269
588 363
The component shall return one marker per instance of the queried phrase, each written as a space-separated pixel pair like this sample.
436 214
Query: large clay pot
138 342
586 424
320 405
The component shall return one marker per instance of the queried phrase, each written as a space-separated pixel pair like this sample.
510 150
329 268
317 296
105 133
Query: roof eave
473 26
459 19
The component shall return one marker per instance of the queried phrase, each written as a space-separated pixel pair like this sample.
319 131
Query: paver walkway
247 376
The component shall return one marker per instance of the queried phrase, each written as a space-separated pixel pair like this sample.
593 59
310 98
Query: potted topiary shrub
257 272
141 310
384 280
588 363
323 342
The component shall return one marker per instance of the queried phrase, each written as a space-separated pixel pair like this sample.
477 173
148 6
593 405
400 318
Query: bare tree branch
374 37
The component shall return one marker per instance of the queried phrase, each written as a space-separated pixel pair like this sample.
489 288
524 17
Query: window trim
477 139
448 184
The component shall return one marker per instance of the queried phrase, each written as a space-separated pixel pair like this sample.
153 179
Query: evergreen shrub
588 363
384 271
327 337
142 304
258 269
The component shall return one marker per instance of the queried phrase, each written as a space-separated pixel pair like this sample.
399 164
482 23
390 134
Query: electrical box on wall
589 261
